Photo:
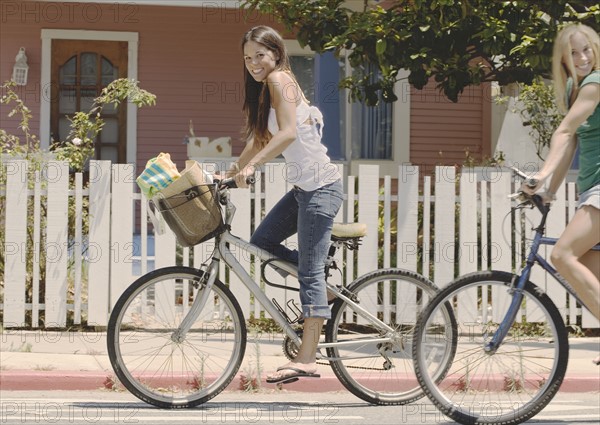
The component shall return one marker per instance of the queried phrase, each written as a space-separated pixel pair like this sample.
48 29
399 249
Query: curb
580 384
27 380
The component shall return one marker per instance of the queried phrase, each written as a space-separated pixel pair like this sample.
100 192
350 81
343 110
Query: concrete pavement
47 360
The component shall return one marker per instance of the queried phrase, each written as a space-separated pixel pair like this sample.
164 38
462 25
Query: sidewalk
44 360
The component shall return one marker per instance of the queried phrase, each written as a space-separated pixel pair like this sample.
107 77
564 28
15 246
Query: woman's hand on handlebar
245 177
547 197
240 180
232 183
532 184
523 196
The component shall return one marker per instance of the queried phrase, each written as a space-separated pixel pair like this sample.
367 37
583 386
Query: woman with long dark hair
280 121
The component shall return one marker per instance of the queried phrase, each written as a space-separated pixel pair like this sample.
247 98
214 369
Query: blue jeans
310 214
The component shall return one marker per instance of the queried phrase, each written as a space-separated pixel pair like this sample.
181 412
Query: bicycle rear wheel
149 359
510 385
376 371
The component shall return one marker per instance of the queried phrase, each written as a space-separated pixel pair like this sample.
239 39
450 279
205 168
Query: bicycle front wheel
374 363
153 360
507 386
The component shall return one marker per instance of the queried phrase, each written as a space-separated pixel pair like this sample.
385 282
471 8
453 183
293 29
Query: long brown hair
257 99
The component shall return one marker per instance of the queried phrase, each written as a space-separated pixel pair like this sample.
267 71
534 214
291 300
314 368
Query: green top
588 135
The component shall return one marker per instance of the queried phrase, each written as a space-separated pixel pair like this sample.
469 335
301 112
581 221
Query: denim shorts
590 197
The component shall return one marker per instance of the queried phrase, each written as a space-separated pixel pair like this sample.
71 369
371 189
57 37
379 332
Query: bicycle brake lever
521 198
231 184
519 172
528 181
227 183
518 196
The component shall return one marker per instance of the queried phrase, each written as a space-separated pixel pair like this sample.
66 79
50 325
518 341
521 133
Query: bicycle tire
159 369
511 385
381 373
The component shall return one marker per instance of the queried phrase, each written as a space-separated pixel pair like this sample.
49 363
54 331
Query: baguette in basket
189 207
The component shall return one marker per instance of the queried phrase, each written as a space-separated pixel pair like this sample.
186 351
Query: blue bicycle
511 347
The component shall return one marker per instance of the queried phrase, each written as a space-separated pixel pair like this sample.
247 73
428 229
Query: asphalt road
281 407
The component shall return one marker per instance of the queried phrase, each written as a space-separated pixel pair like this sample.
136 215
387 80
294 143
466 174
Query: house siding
190 58
442 132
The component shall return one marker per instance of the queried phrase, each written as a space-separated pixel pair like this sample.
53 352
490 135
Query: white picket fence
447 225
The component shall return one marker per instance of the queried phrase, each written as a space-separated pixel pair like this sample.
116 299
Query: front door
80 70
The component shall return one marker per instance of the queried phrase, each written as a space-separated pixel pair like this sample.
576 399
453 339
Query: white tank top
307 164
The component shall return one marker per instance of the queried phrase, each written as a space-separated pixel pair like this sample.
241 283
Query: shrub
77 150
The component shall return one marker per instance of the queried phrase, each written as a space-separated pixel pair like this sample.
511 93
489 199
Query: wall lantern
21 68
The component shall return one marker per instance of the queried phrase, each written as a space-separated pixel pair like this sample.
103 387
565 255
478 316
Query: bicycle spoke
380 372
508 385
164 371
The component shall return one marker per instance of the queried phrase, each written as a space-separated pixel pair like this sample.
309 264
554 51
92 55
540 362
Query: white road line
541 417
170 419
558 408
55 410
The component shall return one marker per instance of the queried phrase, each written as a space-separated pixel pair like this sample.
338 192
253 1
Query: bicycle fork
516 290
492 346
199 302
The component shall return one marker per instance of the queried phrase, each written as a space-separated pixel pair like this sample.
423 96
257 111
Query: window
364 134
372 136
80 69
319 76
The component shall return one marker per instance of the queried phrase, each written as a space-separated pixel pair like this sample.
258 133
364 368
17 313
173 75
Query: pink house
188 53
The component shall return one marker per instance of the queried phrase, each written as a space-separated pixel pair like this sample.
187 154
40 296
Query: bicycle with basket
177 335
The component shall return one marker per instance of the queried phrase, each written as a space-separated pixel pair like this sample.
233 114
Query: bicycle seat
344 231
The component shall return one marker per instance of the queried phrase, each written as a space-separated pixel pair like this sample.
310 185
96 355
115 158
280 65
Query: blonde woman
576 74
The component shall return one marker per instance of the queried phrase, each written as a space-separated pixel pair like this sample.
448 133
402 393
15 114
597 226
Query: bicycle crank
290 349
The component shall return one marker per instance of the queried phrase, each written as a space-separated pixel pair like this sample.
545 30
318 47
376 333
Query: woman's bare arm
284 94
564 139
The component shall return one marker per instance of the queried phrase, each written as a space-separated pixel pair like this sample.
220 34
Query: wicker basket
189 207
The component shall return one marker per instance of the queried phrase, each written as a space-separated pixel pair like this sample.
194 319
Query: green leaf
534 61
380 46
513 38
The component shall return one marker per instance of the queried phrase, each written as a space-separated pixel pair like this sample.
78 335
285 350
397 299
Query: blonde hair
562 62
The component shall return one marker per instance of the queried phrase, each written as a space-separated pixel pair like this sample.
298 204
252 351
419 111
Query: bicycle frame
223 252
517 290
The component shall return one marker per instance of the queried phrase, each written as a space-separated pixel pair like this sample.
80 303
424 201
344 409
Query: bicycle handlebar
534 199
230 183
531 182
526 198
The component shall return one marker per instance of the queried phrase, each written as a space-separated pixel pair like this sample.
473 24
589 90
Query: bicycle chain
290 353
354 367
